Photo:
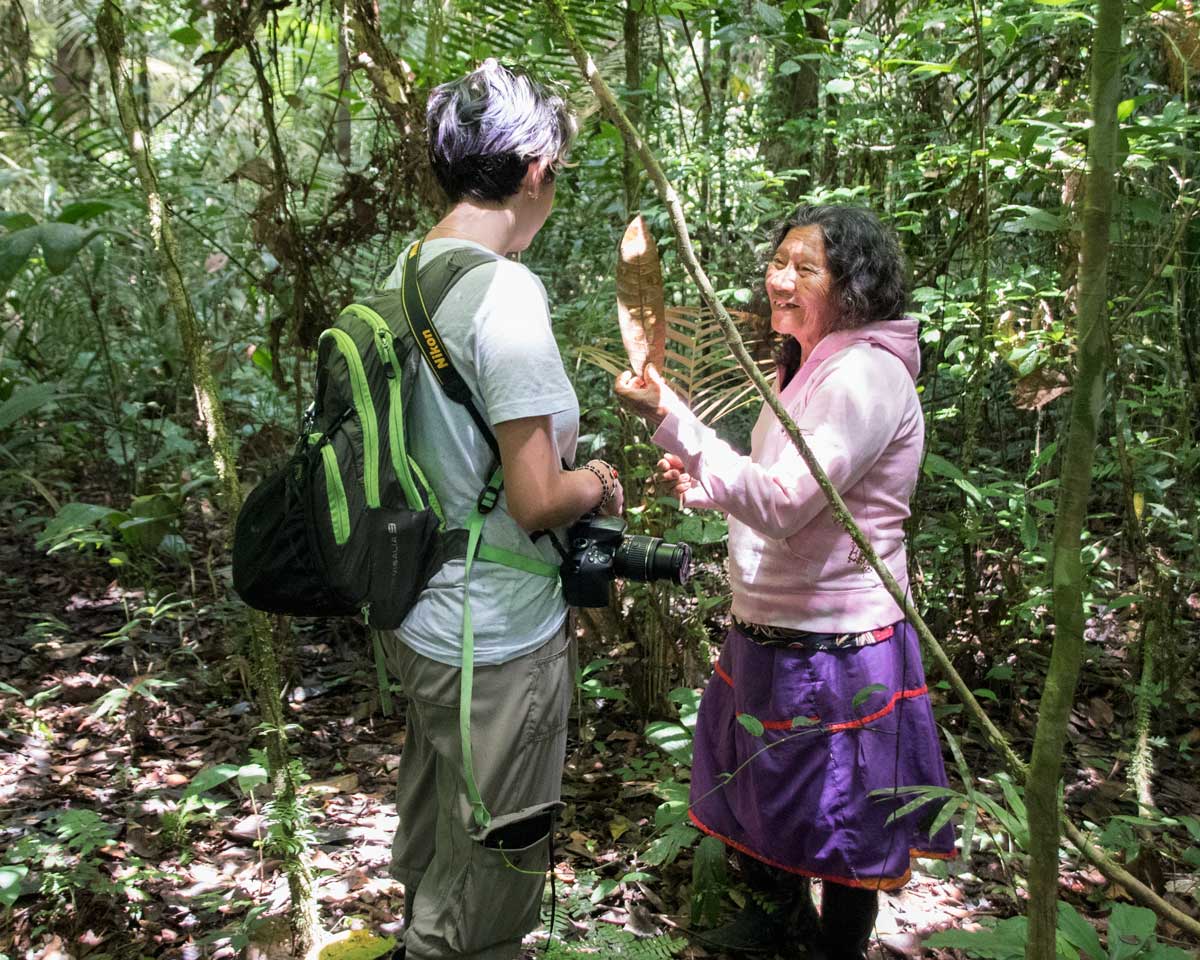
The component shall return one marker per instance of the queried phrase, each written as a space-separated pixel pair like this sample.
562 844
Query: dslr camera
599 550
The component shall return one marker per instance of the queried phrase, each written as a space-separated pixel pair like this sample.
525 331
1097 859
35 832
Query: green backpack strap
487 500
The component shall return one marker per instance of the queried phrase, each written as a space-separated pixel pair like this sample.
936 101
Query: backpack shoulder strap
439 277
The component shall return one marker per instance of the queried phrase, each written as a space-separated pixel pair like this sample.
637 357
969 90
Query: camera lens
652 558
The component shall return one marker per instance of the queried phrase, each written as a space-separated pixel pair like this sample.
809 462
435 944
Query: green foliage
710 881
607 941
62 861
1130 936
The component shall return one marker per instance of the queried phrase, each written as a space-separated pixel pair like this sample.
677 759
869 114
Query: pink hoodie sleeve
850 418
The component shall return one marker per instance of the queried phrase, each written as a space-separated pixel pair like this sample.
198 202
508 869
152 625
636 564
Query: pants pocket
506 874
551 682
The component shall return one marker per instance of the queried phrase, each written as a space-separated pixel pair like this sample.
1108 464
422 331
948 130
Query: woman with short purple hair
473 883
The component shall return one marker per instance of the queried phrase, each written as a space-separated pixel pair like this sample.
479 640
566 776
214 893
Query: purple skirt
798 796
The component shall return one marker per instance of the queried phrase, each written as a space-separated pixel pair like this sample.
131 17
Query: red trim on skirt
880 883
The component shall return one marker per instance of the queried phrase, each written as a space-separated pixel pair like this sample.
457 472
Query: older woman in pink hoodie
819 653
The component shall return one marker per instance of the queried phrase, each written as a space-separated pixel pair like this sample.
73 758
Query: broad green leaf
1037 221
672 739
189 36
949 808
251 775
769 15
912 805
604 888
1078 932
1029 531
866 692
261 358
73 517
84 210
211 777
15 249
969 489
26 399
15 220
941 467
667 847
752 725
10 883
356 945
1005 941
1129 928
61 242
110 701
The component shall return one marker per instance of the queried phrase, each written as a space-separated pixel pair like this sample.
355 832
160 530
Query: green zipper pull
366 613
385 351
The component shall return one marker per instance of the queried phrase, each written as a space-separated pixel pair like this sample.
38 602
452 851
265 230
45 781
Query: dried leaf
640 305
1035 390
699 364
347 783
256 169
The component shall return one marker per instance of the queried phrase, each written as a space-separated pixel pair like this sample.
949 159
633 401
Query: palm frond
699 364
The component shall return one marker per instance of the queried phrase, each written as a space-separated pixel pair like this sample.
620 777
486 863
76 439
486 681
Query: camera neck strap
429 341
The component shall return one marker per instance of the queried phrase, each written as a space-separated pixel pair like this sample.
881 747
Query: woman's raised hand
672 475
644 395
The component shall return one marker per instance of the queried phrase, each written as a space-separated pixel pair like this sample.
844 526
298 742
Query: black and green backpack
350 526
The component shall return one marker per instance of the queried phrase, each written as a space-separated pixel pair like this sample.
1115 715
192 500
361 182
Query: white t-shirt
495 323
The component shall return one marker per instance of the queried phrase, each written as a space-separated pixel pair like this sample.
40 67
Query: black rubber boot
752 930
779 915
847 922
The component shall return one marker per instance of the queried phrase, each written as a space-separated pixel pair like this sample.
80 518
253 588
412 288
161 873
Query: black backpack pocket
277 566
404 550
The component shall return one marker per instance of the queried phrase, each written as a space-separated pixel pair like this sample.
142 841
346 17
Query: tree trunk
792 107
14 38
266 675
74 62
341 118
392 83
633 92
1041 790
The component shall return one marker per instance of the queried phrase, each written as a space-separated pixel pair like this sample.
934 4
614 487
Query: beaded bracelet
605 486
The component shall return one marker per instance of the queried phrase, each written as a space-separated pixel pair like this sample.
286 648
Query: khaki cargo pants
471 892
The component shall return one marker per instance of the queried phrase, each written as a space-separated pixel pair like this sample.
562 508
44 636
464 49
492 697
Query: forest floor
95 766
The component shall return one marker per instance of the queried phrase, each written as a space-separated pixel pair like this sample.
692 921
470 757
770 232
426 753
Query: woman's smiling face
799 287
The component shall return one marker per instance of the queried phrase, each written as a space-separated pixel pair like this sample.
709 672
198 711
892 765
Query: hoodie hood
897 337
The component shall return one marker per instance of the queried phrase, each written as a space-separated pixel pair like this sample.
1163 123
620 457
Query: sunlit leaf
752 724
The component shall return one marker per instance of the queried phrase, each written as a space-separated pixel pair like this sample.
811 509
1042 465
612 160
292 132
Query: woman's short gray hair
485 128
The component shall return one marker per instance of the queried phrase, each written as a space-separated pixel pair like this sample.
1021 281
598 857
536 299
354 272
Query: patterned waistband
771 636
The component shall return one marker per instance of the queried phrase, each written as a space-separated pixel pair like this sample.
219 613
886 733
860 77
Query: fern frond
606 942
699 365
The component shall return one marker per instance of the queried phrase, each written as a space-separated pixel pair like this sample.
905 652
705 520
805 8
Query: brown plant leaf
1035 390
640 305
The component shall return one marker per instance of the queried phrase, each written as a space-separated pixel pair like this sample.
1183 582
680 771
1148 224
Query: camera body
598 550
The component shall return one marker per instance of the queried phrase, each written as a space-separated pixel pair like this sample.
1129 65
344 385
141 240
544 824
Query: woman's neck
492 226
